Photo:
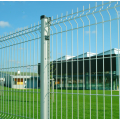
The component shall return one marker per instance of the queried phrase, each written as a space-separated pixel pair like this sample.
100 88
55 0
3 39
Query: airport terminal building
86 69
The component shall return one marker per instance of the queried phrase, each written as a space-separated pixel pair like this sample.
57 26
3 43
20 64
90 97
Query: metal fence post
45 68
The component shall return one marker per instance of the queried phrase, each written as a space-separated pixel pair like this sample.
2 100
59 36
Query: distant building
83 68
33 82
66 57
18 81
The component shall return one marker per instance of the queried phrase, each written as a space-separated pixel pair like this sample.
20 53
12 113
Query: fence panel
77 58
19 78
84 63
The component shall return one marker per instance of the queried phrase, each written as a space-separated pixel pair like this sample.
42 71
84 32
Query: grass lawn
17 101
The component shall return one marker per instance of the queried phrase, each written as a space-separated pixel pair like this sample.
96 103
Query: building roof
66 57
20 76
87 54
108 52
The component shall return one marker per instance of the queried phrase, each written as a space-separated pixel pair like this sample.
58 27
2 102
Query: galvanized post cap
42 16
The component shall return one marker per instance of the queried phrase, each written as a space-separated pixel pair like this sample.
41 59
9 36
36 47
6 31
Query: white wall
18 86
117 65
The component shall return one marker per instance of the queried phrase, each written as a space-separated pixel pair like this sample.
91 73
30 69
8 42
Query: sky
19 14
15 15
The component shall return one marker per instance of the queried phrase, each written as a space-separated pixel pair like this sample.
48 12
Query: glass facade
107 76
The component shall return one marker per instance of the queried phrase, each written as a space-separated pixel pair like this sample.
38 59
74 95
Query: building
33 82
3 77
18 81
2 81
86 69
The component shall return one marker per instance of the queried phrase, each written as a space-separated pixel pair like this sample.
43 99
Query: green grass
17 104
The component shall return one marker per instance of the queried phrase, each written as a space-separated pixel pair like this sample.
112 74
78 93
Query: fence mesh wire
20 82
84 67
